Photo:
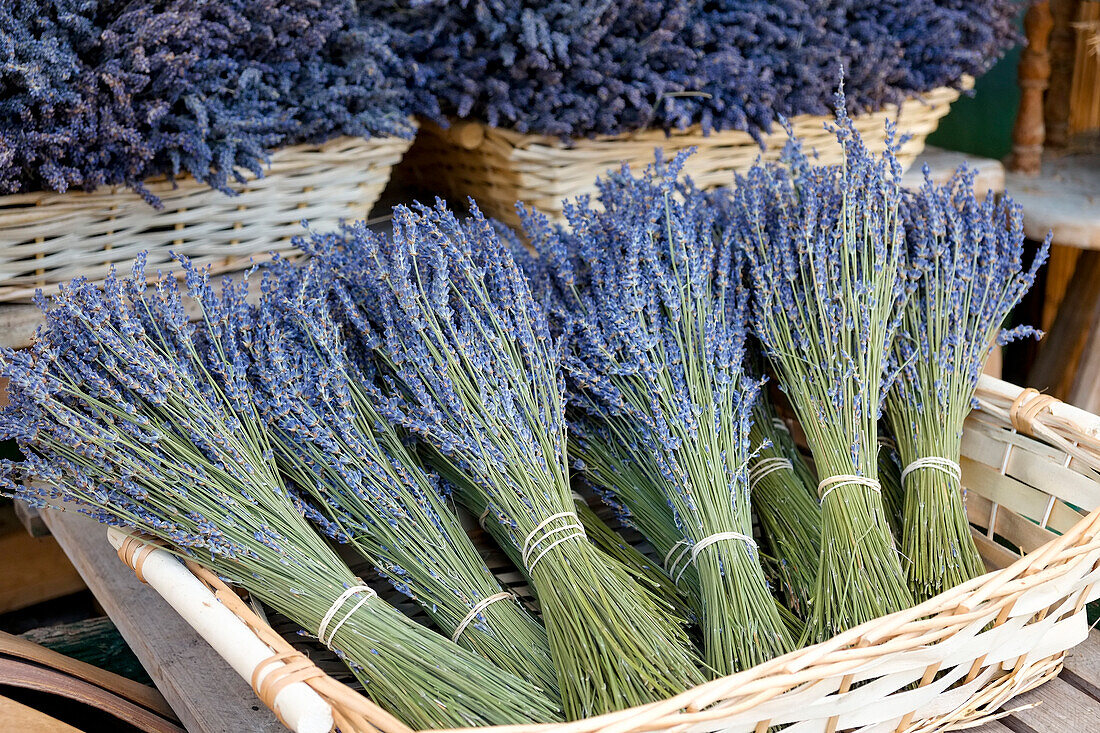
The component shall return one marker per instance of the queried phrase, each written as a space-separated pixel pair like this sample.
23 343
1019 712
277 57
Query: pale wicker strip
951 661
49 238
497 167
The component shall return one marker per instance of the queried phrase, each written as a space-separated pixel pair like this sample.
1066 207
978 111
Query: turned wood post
1034 73
1063 48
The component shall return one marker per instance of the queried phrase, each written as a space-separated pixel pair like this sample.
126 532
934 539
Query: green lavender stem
789 516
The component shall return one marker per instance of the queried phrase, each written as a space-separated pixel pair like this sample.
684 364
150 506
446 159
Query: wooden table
1065 199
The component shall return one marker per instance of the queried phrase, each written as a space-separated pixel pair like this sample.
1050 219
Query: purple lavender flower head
575 70
969 254
827 266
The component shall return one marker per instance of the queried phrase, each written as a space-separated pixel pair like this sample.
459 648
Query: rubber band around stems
481 606
367 592
529 546
935 463
700 546
846 479
778 424
676 561
766 466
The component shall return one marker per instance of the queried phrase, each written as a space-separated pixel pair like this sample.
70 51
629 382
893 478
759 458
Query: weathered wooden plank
1064 198
202 689
19 717
1082 668
1054 707
994 726
42 573
1061 350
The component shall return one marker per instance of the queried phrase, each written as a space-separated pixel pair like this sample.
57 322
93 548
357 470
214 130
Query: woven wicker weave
1030 471
499 167
49 238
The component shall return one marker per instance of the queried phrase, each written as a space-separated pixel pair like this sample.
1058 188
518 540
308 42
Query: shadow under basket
1030 472
47 238
498 167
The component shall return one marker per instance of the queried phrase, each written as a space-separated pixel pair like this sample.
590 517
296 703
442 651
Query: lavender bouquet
369 488
971 256
826 257
470 369
657 317
140 419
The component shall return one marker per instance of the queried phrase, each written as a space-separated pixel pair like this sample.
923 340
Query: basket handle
295 703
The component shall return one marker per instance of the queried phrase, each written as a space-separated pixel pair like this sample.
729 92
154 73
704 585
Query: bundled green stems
781 484
969 255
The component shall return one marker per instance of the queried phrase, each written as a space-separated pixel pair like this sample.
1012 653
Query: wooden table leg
1029 132
1068 365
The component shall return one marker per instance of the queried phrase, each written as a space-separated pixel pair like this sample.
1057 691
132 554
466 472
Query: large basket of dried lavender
546 96
208 131
498 166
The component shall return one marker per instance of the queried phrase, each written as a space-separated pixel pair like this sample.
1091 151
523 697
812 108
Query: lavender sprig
657 322
826 261
141 419
970 253
474 373
369 488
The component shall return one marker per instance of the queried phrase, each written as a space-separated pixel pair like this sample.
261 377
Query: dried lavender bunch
658 319
782 488
970 253
641 567
826 257
141 419
578 69
635 563
106 92
369 488
475 374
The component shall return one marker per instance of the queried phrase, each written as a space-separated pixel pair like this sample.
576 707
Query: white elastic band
336 605
481 606
846 479
936 463
529 547
765 466
671 568
578 497
778 423
708 541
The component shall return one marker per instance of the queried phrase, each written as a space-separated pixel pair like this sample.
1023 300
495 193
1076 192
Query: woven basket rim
936 96
33 198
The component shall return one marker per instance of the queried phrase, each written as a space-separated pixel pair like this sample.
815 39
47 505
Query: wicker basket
499 167
1030 471
49 238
